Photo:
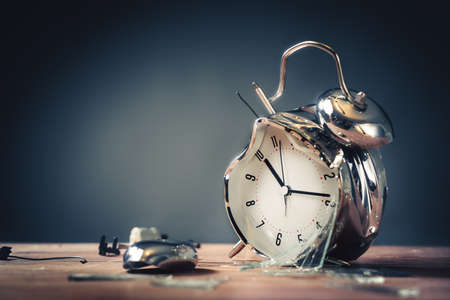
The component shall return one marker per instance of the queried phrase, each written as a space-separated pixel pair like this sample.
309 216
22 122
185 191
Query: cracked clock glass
281 196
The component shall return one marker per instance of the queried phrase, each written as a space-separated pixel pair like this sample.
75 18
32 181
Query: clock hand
285 191
285 204
308 193
274 173
284 180
281 160
280 182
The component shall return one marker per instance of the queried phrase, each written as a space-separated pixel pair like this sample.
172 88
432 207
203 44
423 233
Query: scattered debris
380 289
148 247
310 260
198 283
5 254
173 256
337 262
292 272
155 279
369 280
359 275
114 277
353 278
104 250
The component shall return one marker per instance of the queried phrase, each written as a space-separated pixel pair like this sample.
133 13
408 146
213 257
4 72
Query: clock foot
236 249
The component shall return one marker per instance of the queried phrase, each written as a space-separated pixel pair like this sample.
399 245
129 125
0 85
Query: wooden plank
429 268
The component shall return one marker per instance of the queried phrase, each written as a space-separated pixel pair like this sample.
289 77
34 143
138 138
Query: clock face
281 195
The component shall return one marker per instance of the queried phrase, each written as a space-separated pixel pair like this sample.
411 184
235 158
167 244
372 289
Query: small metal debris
114 277
172 256
5 254
104 250
148 247
201 284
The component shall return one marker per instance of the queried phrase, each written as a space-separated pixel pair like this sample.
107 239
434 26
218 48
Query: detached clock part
311 182
149 248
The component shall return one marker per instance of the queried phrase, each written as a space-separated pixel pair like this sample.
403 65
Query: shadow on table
157 271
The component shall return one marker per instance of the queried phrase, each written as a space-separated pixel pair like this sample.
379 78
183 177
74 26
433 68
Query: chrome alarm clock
310 183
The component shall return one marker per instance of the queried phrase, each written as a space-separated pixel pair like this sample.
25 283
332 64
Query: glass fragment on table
197 283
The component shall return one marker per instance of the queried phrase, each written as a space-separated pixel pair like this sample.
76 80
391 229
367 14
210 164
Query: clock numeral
329 203
262 223
250 203
259 155
274 141
329 176
299 236
250 177
278 240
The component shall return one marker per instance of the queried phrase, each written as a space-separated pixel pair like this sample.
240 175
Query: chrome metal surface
165 254
349 124
361 210
341 128
263 98
296 48
363 182
300 122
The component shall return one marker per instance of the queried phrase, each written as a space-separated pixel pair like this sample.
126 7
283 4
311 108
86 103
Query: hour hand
274 173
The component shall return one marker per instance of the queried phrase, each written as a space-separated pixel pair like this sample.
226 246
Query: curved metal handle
266 101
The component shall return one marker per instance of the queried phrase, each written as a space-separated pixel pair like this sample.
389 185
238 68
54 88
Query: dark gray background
122 116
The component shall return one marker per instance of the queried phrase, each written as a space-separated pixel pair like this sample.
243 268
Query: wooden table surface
424 268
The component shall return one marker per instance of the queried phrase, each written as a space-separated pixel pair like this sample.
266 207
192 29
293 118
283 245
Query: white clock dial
282 196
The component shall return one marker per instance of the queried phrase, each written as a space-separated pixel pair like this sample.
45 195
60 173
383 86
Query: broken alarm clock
311 183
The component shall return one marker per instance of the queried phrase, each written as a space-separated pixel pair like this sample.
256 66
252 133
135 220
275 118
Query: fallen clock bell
169 255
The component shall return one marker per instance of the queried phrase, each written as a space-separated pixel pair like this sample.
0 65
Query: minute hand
307 193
